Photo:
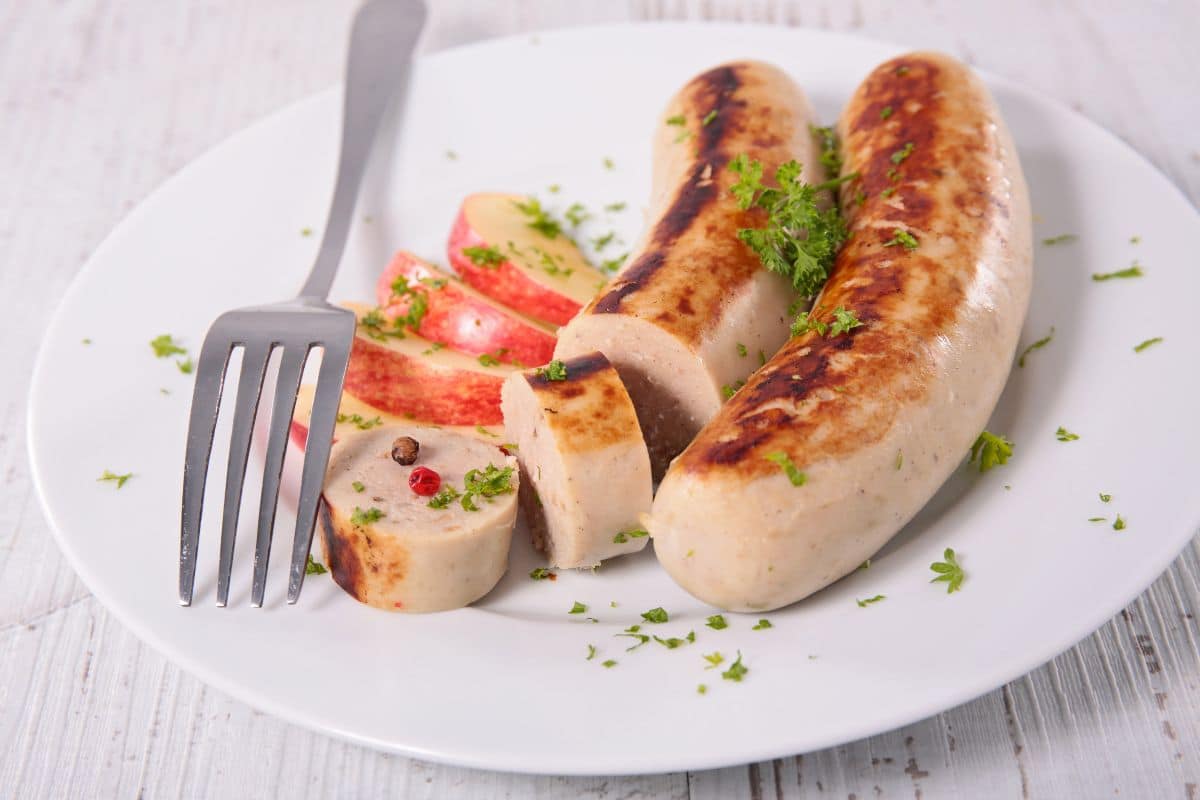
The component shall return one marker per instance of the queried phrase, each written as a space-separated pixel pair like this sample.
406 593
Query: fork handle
381 43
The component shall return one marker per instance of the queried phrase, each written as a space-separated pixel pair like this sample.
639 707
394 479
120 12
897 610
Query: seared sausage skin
877 417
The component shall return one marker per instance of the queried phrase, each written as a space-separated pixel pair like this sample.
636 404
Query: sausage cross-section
692 308
869 422
585 470
388 547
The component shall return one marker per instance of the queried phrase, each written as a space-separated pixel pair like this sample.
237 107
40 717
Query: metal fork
381 43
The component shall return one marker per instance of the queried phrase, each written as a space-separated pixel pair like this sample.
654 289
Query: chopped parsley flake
539 219
359 421
306 231
655 615
111 476
481 256
785 463
800 239
86 341
1038 345
904 239
885 112
1063 238
899 459
844 320
762 625
708 118
902 70
591 652
578 608
312 567
490 359
601 242
361 517
614 264
186 366
1148 343
1134 271
1119 525
1097 519
451 155
990 450
443 499
673 642
830 158
717 622
948 571
729 390
1105 498
678 119
1135 239
359 486
714 660
741 350
486 483
625 536
1064 435
615 207
165 346
864 603
903 153
737 670
608 163
541 574
702 689
576 214
433 348
554 371
608 664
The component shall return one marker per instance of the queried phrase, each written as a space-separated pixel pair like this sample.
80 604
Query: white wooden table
99 102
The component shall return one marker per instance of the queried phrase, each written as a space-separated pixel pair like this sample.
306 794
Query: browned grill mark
845 408
692 198
579 367
344 563
630 281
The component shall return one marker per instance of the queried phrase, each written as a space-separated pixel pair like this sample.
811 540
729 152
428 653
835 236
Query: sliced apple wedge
355 417
504 246
407 375
451 312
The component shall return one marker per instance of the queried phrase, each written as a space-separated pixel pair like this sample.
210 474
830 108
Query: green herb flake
864 603
801 238
717 622
591 652
902 70
762 625
702 689
672 642
110 476
488 360
576 214
360 422
737 670
900 155
609 664
678 119
85 341
1134 271
554 188
186 366
1119 524
990 450
542 574
899 459
451 155
481 256
359 486
577 608
1064 435
708 118
1148 343
443 499
538 218
609 164
948 571
785 463
362 517
613 208
1135 239
165 346
844 321
1097 519
1105 498
741 350
1063 238
714 660
554 371
886 112
729 390
601 242
1038 345
655 615
830 157
904 239
306 232
613 264
312 567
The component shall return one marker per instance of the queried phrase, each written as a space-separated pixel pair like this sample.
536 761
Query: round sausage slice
586 471
392 548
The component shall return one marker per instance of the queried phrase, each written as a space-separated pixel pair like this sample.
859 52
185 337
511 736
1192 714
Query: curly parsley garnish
362 517
717 622
1038 345
1148 343
844 320
1064 435
542 574
480 256
990 450
794 475
655 615
948 571
554 371
1134 271
485 483
800 240
904 239
112 477
443 499
737 670
868 601
313 567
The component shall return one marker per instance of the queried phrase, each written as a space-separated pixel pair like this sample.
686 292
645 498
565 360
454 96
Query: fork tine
206 399
254 367
316 456
290 370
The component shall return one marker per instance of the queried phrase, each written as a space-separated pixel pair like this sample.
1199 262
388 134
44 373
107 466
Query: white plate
505 685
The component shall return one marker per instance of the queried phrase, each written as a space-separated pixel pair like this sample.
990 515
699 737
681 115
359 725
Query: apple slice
460 317
355 417
535 270
409 376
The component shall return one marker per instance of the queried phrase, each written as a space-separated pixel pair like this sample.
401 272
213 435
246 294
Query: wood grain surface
102 101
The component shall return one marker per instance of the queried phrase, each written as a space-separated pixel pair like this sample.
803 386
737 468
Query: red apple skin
298 433
406 385
462 319
506 282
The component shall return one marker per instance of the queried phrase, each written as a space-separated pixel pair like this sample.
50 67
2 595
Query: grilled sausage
692 308
876 418
585 473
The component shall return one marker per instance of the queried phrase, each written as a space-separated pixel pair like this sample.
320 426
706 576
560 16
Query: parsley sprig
800 240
